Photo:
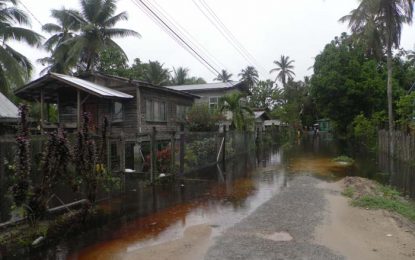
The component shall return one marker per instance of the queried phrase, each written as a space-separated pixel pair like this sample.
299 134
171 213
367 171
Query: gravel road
282 228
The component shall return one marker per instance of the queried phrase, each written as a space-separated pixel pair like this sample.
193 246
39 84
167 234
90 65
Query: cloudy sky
266 28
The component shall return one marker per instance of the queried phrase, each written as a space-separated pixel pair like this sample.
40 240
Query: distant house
211 93
132 107
9 114
261 116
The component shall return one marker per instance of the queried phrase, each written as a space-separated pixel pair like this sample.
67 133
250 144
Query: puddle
277 236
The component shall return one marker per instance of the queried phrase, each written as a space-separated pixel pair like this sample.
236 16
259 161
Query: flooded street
163 221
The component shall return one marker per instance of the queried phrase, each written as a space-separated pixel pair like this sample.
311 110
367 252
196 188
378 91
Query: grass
348 192
386 198
403 208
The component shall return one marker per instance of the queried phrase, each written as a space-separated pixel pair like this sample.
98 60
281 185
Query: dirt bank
358 233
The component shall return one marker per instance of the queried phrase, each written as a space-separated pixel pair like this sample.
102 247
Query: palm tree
155 74
284 69
65 28
249 75
181 75
224 76
381 21
235 104
97 22
15 68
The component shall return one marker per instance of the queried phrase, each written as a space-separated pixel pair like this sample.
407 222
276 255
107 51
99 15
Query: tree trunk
390 105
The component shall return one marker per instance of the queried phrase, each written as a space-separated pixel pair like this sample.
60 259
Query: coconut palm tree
155 74
381 21
64 29
15 68
235 104
284 68
249 75
224 76
181 75
97 20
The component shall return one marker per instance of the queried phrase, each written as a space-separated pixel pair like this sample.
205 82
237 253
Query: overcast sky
266 28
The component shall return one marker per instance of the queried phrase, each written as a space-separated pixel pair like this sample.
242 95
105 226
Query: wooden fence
404 144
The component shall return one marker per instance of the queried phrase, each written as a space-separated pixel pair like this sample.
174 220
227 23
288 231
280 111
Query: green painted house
324 125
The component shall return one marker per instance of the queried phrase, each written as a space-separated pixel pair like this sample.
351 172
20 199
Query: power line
227 34
176 35
171 34
189 35
220 30
28 10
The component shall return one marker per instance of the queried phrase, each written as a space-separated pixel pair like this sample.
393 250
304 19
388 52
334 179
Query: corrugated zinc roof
207 86
91 87
7 108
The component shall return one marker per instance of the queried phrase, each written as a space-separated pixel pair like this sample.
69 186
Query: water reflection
148 216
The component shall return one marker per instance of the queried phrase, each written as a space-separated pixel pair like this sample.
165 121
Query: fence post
224 149
182 151
173 152
153 155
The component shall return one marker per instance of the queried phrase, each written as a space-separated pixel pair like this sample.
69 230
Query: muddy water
147 217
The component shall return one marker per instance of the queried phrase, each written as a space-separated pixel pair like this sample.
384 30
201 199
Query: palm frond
23 35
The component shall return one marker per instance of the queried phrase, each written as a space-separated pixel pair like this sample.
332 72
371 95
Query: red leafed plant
163 160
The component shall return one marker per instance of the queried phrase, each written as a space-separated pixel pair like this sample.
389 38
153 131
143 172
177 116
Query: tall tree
384 19
240 111
15 68
224 76
249 75
181 74
156 74
347 83
64 29
264 95
97 31
284 68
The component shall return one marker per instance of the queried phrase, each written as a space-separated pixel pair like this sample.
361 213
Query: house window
213 102
115 157
181 112
117 111
67 113
156 111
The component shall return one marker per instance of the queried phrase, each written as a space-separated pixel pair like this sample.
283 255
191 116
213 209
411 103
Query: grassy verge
383 197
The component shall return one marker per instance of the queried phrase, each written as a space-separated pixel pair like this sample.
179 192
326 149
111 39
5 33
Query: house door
92 110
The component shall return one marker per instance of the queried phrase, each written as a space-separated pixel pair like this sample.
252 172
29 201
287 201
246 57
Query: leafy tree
264 95
180 76
15 68
64 29
224 76
347 83
249 75
235 104
284 68
113 62
97 21
406 109
292 103
156 74
381 22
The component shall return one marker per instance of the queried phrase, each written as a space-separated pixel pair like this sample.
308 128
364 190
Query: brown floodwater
144 217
